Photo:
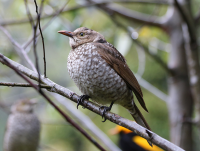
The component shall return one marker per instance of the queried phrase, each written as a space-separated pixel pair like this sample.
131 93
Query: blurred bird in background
130 141
23 128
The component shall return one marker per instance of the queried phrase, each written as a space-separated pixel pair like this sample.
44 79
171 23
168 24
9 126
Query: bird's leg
81 99
105 109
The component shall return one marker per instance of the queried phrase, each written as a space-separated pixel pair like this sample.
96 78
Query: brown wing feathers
119 65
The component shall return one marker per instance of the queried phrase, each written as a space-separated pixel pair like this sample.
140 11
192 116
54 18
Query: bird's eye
82 34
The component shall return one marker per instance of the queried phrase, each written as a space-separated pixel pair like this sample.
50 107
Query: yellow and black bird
129 141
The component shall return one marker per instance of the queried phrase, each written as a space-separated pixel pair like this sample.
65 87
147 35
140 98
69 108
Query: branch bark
132 15
133 126
38 89
13 84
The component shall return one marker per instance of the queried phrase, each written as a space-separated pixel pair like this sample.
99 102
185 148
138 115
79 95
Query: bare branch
29 14
34 46
38 14
77 114
22 51
13 84
157 140
6 61
45 26
115 9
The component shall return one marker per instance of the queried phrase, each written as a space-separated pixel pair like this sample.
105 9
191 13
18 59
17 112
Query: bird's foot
151 137
105 109
81 99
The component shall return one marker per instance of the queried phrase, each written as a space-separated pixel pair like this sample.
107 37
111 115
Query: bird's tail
139 118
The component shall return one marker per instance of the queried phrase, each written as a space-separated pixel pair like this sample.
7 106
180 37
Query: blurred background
152 37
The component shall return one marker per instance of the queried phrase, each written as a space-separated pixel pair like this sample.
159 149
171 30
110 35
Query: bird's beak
67 33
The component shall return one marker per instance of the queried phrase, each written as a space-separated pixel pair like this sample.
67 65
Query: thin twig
34 47
45 26
13 84
7 62
133 126
22 51
29 14
39 14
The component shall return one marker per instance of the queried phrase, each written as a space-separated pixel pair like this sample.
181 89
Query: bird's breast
94 76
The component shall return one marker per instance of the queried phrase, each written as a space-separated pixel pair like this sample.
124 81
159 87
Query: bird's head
81 36
24 106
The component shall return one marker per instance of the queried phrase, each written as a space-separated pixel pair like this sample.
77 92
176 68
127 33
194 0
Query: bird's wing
115 59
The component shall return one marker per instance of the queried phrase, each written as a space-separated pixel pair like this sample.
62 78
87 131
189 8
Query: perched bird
130 141
101 73
23 128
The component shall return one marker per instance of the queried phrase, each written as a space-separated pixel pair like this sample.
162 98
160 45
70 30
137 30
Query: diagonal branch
76 114
68 119
22 51
132 15
157 140
13 84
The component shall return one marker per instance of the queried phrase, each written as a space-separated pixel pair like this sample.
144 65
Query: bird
101 73
130 141
23 127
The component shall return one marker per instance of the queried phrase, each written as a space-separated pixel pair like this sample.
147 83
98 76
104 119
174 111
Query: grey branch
115 9
13 84
65 116
133 126
20 49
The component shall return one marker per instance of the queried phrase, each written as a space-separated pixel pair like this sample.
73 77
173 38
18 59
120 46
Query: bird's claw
105 109
151 137
81 99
